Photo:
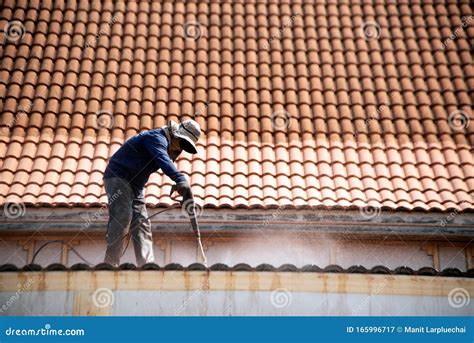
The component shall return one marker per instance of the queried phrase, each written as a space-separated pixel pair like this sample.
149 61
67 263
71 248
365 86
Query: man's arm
157 147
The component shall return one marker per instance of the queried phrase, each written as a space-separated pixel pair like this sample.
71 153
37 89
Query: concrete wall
231 293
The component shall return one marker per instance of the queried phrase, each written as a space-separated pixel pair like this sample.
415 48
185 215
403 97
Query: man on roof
125 178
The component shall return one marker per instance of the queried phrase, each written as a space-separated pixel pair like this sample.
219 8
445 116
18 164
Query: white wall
274 248
238 303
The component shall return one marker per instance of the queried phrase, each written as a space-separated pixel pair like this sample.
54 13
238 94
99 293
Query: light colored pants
127 213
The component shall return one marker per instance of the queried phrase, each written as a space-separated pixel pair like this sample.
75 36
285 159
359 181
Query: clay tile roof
243 267
303 103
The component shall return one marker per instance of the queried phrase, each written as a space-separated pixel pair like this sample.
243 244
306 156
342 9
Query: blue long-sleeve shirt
141 156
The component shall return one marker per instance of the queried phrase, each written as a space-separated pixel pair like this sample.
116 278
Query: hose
58 241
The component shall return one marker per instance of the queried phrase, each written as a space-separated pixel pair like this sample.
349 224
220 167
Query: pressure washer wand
190 208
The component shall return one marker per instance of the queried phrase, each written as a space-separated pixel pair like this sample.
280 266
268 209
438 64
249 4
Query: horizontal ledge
241 220
223 280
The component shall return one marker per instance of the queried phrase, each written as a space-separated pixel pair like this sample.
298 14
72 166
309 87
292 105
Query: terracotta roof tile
364 117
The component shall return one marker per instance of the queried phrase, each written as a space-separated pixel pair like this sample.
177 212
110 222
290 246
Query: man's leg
120 197
141 231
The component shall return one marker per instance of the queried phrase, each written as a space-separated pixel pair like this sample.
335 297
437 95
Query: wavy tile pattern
304 103
243 267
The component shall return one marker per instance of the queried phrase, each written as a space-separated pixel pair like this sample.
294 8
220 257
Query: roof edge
226 220
242 267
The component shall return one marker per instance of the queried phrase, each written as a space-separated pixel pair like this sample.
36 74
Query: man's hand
184 190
